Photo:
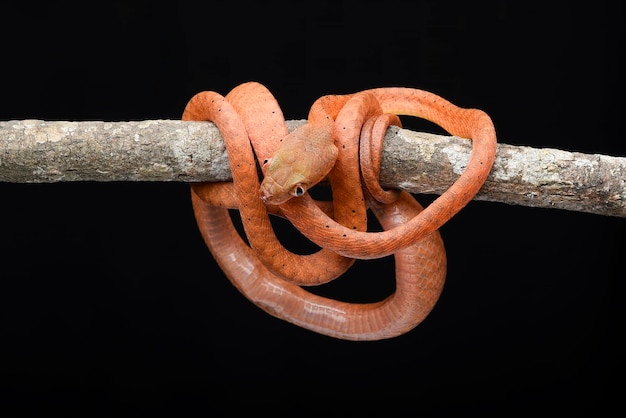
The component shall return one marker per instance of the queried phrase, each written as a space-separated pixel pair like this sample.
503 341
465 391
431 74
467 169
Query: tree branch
34 151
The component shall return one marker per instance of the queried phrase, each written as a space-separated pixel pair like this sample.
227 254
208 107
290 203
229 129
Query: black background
110 303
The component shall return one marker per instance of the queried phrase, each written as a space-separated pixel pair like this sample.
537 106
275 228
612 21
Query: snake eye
266 162
298 190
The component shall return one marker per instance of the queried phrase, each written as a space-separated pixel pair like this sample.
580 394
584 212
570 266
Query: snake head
303 159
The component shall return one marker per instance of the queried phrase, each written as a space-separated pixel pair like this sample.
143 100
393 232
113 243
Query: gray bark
35 151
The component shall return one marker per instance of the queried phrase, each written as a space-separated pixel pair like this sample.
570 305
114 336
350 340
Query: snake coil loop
272 277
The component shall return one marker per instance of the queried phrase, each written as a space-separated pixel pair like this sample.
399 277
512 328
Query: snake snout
265 196
271 194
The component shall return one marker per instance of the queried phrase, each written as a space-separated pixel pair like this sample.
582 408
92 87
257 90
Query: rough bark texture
538 177
35 151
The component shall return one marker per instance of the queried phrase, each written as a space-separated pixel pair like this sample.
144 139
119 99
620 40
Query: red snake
341 131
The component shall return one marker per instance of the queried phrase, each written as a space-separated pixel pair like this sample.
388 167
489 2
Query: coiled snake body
328 146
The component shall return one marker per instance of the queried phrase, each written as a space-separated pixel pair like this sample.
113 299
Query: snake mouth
273 200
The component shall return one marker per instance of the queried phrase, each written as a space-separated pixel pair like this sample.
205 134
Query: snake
341 142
